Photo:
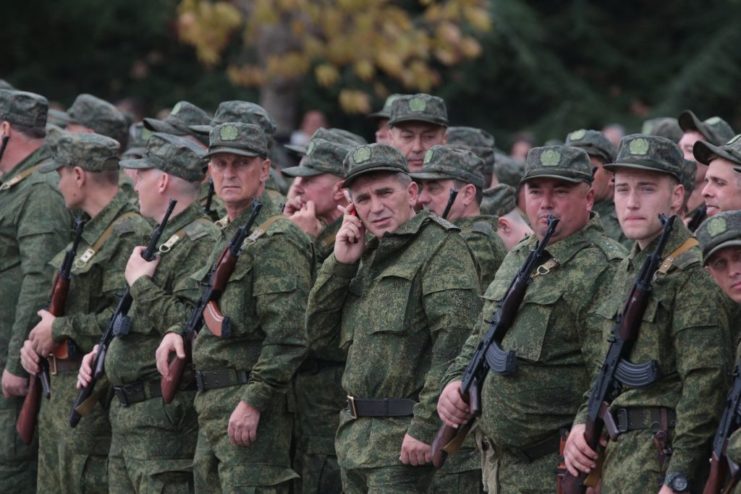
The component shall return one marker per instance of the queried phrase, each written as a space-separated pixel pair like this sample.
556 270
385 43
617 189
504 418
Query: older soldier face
568 201
238 179
640 196
686 142
323 190
434 197
722 191
725 268
413 139
146 183
384 201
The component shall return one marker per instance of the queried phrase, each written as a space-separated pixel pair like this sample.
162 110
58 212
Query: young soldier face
434 195
722 191
322 190
68 187
640 196
146 185
568 201
238 179
602 183
383 202
413 139
383 132
686 142
725 268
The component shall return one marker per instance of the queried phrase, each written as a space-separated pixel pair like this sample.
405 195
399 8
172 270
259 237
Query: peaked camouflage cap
663 126
239 111
562 162
322 156
499 200
385 112
178 122
593 142
507 169
238 138
715 130
477 140
718 232
57 117
705 152
137 142
5 84
651 153
23 108
100 116
444 162
371 158
689 172
341 136
175 155
419 108
89 151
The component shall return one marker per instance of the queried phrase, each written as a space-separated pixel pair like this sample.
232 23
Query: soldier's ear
79 175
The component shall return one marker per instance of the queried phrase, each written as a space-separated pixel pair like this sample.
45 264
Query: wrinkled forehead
415 127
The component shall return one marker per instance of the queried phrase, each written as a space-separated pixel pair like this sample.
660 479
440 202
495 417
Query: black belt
220 378
640 418
139 391
314 365
384 407
535 451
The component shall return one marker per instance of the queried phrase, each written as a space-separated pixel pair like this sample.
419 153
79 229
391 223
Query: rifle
489 356
451 200
616 371
209 200
39 384
216 280
118 325
724 473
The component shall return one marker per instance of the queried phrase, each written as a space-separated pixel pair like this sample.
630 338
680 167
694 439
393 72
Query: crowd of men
331 353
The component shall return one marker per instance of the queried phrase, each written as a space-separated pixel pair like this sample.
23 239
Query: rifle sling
19 178
668 261
167 245
91 251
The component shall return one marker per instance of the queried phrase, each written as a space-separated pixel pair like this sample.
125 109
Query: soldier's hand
85 373
451 407
415 452
350 240
305 218
243 424
577 455
137 266
293 204
171 343
40 335
29 358
14 385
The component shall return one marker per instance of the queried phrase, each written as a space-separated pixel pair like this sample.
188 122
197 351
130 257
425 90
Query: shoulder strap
91 251
178 235
262 229
19 178
668 261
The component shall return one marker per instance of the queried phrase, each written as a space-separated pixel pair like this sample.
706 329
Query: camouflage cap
718 232
100 116
418 108
372 158
5 84
715 130
508 170
499 200
57 117
652 153
241 112
562 162
385 112
593 142
172 154
449 162
238 138
689 172
477 140
91 152
178 122
137 142
705 152
322 156
23 108
341 136
663 126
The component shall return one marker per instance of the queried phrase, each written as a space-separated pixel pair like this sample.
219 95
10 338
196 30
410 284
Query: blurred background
544 67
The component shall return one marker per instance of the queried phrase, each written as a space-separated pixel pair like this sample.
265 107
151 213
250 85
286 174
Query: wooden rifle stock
448 439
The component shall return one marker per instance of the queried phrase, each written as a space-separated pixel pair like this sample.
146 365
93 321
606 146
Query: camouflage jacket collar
679 234
97 225
563 250
41 154
185 218
404 234
229 227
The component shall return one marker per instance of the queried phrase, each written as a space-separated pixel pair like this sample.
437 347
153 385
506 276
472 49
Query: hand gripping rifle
489 355
616 371
216 280
724 473
118 325
39 384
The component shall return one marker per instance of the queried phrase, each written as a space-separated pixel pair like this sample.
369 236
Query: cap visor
378 115
431 176
728 243
161 126
689 121
433 121
614 166
50 167
228 150
201 129
705 152
376 169
138 164
573 180
301 171
296 148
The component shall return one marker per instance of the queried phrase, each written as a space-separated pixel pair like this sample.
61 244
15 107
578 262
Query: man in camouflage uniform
418 122
245 447
447 168
665 427
178 122
407 294
74 460
381 118
481 143
512 226
34 225
722 190
153 443
552 334
600 151
715 131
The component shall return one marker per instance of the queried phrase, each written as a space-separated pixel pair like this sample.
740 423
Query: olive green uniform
610 224
480 234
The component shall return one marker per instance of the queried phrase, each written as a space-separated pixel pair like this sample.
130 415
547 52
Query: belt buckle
122 396
352 407
52 364
621 417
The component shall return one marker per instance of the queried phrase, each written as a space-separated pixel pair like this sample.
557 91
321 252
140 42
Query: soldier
722 190
481 143
381 119
519 430
34 225
418 122
178 122
153 443
512 226
245 447
406 293
664 428
714 130
447 168
74 460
